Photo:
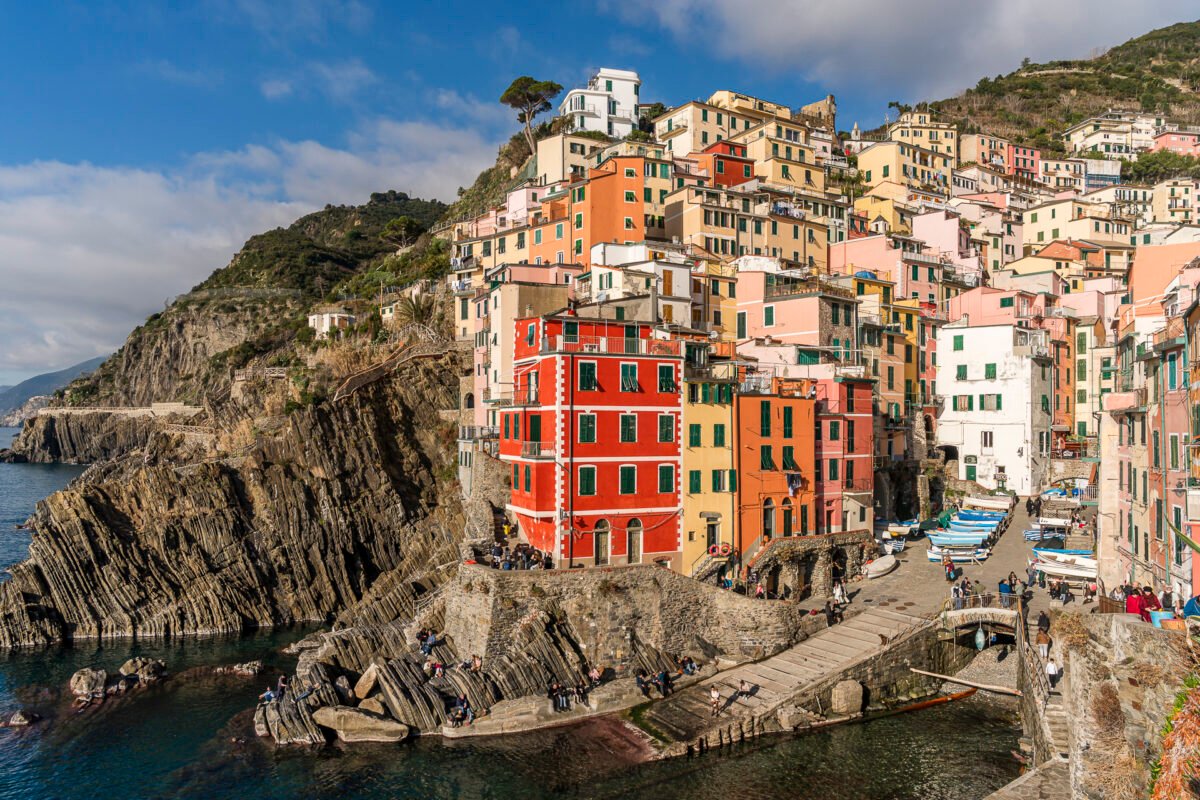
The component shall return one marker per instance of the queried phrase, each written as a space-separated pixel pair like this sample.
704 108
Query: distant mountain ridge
13 397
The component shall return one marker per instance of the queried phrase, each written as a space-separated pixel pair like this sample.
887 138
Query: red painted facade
592 436
845 444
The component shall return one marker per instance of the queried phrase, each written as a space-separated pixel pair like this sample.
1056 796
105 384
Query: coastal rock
27 410
88 682
373 705
366 684
21 719
146 670
299 528
847 698
81 438
356 725
246 668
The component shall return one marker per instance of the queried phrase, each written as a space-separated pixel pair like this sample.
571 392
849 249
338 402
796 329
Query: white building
995 382
609 103
325 322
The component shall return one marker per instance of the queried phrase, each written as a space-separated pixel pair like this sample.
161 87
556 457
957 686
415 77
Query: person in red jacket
1133 602
1149 603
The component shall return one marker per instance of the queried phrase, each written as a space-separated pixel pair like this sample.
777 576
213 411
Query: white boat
938 554
881 566
1065 570
989 503
1053 522
1066 559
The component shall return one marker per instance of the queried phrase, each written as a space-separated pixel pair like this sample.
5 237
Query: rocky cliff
298 527
79 438
27 410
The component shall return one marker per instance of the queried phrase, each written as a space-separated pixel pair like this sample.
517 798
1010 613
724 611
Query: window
718 435
587 428
629 223
764 417
789 459
833 469
960 373
694 435
768 316
587 481
787 422
631 197
986 442
958 343
694 482
766 459
530 334
628 428
989 371
666 479
628 482
718 480
587 376
666 428
528 479
629 378
666 378
835 431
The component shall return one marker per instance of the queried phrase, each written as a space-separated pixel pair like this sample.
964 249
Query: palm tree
415 310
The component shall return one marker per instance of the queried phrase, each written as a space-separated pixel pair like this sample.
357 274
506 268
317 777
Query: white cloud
87 252
303 19
172 73
919 49
342 80
275 88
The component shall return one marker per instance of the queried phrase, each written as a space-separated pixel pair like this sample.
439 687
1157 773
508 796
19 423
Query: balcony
523 396
610 345
1193 503
537 450
475 433
722 371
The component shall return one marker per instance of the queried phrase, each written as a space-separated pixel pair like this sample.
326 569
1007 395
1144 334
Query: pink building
1184 143
1024 162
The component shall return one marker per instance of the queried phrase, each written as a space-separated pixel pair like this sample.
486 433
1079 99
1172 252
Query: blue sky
143 144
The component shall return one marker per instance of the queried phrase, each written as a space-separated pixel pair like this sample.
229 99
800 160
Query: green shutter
787 422
694 482
587 428
693 435
628 480
666 428
764 417
766 460
958 343
666 479
587 481
718 435
989 371
733 480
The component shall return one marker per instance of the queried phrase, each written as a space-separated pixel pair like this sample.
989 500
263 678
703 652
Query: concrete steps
687 714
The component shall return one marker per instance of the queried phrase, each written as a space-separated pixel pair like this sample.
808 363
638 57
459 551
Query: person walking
1043 622
714 698
956 597
1043 644
1052 673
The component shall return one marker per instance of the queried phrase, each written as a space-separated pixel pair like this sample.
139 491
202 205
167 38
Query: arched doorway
600 542
469 400
768 519
633 541
787 516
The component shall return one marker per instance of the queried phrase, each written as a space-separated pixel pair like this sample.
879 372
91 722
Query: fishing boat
881 566
975 514
976 523
1068 559
1047 553
1053 522
989 503
961 528
895 545
1073 571
938 554
946 541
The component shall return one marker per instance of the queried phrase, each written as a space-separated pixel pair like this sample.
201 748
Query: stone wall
802 566
617 610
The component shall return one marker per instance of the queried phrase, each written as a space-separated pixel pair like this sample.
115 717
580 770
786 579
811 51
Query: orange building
776 461
727 163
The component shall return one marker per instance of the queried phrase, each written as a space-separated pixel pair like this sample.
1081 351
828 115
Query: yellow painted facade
709 499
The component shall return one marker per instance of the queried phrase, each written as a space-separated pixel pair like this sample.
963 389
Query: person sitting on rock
643 684
456 716
267 697
581 692
476 664
594 676
463 706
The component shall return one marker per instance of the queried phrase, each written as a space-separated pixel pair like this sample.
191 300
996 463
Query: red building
727 163
592 432
845 444
774 461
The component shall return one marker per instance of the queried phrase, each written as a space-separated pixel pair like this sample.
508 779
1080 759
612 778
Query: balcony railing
523 396
536 450
472 433
611 345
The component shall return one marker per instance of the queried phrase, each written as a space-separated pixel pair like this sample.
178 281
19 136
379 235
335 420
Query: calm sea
177 740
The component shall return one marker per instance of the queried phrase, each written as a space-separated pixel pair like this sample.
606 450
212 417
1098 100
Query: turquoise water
177 739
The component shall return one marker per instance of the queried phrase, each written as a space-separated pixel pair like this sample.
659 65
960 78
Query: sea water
190 736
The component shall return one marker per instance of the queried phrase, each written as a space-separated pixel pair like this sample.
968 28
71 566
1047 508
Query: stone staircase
686 716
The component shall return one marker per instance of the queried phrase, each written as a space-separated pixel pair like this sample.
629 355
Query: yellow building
747 105
693 126
921 129
1073 219
709 491
714 297
1174 201
897 214
906 163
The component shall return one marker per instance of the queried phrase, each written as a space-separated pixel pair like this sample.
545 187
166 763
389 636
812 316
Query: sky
143 142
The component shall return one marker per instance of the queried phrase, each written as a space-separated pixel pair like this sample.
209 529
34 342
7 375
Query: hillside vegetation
1158 72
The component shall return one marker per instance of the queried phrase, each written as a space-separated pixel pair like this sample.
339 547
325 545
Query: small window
587 376
666 479
666 428
628 482
587 428
587 481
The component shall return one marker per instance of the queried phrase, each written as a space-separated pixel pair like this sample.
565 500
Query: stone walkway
1051 781
687 715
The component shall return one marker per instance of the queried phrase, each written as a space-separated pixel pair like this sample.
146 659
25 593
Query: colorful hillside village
730 327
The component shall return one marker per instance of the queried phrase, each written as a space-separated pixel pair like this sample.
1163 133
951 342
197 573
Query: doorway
633 541
600 543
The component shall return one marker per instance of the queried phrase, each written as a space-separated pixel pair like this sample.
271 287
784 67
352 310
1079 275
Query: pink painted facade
1024 162
1184 143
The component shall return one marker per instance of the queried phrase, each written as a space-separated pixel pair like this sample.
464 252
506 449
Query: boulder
146 670
847 698
88 682
366 684
374 705
355 725
21 718
247 668
342 685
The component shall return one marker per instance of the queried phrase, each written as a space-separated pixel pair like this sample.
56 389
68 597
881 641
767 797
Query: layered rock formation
299 528
80 438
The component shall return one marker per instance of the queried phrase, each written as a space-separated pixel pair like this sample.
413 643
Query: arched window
469 400
787 517
633 541
768 522
600 546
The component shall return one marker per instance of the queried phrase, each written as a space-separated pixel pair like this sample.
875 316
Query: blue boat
1040 551
957 541
962 527
982 516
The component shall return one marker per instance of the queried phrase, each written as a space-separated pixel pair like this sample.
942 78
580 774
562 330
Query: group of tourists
661 680
1044 642
561 695
461 713
1141 600
521 556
